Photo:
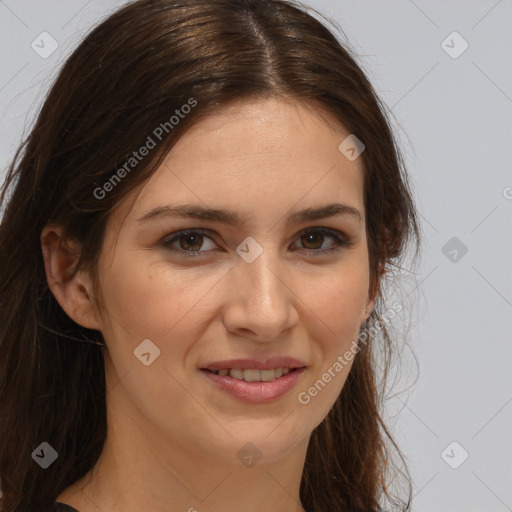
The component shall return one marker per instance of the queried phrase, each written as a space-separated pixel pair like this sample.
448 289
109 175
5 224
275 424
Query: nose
261 304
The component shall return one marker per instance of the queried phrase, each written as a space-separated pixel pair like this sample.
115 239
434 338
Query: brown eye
191 242
312 240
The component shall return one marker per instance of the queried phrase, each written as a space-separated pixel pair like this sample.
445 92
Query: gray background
453 117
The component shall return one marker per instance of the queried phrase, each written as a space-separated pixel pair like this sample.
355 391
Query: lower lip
255 392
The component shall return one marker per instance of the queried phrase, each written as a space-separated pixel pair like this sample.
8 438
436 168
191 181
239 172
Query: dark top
61 507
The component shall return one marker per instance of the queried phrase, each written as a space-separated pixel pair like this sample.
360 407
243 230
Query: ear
73 290
371 300
370 305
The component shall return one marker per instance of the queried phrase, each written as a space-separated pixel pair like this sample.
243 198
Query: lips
255 380
255 392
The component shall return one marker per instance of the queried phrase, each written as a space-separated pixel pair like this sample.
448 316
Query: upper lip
256 364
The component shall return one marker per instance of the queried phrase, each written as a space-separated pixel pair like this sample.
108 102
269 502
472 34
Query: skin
173 437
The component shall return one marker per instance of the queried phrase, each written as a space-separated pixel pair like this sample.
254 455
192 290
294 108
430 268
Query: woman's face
257 279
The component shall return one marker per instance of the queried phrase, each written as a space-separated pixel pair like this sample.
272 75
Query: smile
254 386
252 375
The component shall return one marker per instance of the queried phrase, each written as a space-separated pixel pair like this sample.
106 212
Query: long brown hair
128 77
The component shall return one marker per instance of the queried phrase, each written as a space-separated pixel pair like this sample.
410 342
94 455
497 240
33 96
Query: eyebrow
231 218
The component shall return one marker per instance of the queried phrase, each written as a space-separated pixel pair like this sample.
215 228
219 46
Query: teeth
236 373
251 375
267 375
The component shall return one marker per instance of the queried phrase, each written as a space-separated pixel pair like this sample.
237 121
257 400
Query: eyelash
340 241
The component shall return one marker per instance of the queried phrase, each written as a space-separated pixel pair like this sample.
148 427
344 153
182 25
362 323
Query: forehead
262 129
262 155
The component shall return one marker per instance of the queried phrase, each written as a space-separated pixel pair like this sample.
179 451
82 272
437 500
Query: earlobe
370 305
72 290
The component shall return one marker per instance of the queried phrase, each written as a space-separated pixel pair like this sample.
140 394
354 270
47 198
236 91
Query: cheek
156 302
141 298
163 305
334 330
338 300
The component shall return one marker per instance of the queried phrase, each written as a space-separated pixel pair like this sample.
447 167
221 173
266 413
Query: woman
192 251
